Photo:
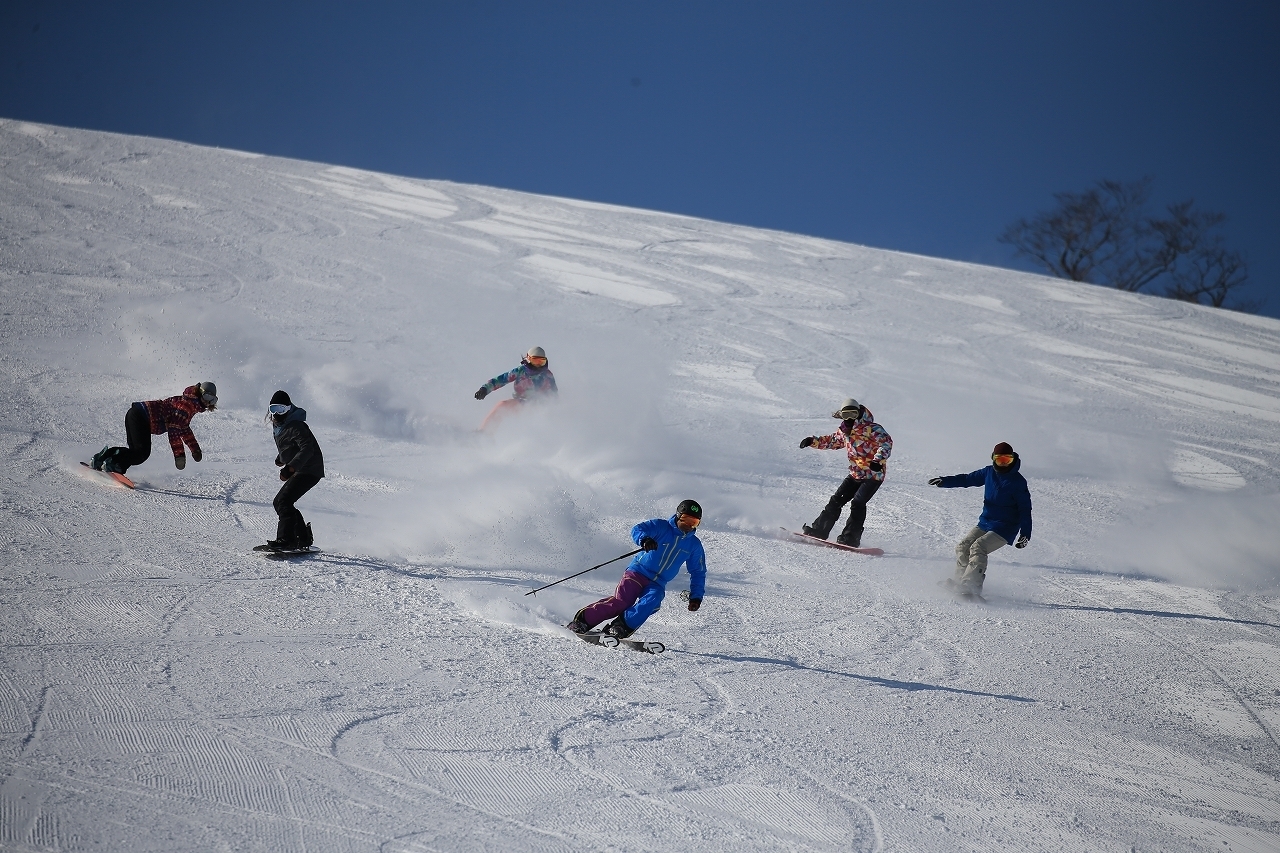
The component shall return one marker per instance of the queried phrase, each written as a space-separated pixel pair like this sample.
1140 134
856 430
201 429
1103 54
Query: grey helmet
536 352
850 408
208 394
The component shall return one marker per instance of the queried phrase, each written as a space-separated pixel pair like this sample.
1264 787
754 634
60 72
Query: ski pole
584 571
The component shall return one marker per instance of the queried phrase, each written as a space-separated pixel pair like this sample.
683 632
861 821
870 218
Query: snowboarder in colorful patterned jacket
868 447
532 379
667 543
1006 514
156 417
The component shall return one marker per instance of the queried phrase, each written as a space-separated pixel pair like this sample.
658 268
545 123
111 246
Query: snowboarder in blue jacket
1006 515
668 543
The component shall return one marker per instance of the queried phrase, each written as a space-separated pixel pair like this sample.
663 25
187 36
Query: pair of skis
609 641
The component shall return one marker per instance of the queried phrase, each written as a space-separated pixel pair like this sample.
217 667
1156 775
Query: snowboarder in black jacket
301 467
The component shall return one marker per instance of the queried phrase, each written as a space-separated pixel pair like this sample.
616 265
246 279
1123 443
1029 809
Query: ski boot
577 626
111 464
99 456
618 628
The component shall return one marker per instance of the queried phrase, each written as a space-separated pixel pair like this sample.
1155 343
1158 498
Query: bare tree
1105 236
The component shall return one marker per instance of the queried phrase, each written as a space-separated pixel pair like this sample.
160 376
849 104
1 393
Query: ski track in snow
164 688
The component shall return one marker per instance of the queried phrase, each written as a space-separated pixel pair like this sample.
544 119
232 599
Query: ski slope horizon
164 688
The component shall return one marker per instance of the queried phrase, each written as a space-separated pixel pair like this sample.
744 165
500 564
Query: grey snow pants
971 555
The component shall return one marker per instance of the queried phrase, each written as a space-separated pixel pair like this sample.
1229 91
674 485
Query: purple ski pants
632 585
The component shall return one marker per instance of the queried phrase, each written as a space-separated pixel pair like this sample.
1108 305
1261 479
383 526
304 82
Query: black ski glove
875 466
196 455
694 604
481 394
807 440
1022 542
180 461
648 543
936 481
285 473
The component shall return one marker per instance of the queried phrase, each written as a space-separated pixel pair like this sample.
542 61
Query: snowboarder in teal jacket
1005 519
667 544
532 380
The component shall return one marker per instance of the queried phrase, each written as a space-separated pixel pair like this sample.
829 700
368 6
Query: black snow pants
137 431
856 493
291 527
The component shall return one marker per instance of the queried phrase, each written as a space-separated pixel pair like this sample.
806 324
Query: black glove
481 394
694 604
196 455
807 440
285 473
875 466
180 461
1022 541
648 543
936 481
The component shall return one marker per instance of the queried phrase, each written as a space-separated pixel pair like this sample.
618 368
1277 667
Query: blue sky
926 127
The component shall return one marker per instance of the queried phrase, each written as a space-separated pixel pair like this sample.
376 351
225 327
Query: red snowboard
119 478
814 540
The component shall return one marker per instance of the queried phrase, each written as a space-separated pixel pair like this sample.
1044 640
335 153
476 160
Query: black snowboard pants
137 431
291 526
856 493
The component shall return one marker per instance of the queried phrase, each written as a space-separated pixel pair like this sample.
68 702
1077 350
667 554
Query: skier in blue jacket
668 543
1006 515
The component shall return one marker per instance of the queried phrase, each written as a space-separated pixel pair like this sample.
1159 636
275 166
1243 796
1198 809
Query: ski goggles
688 520
279 409
1004 460
537 360
209 400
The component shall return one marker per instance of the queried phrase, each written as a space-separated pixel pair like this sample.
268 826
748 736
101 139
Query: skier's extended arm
646 530
697 566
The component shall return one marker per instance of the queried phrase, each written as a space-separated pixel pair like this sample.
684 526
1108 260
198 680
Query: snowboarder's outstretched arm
961 481
497 382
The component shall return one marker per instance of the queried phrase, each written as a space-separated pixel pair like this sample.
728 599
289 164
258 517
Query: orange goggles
537 360
688 520
1004 460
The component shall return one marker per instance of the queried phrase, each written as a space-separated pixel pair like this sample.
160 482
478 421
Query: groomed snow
163 688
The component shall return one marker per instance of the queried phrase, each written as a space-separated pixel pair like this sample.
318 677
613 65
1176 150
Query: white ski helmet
850 408
536 352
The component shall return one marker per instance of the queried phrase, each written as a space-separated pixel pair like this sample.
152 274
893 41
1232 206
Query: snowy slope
162 688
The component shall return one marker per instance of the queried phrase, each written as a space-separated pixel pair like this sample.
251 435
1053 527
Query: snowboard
599 638
272 554
814 540
119 478
952 587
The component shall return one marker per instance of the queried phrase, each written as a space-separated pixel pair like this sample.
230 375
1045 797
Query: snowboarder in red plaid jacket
171 415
